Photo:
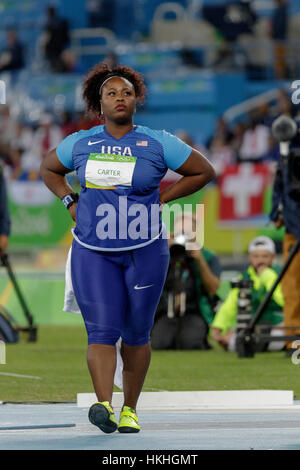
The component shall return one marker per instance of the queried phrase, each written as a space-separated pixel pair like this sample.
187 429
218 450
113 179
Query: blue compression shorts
118 292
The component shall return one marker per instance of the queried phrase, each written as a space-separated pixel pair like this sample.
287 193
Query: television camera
287 132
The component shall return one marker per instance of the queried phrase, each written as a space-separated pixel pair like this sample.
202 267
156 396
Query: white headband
106 80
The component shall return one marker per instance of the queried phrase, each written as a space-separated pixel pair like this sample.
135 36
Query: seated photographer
261 254
185 310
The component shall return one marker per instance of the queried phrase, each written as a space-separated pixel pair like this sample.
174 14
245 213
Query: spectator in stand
263 114
256 141
279 32
187 138
101 13
70 63
22 152
12 56
7 132
273 154
237 138
285 105
111 60
221 131
85 121
55 38
230 56
67 124
47 136
7 129
27 147
221 154
93 8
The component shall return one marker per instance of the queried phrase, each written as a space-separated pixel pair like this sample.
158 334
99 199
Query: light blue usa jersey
118 207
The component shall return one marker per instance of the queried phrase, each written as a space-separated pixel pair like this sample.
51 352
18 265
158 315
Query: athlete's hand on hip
72 211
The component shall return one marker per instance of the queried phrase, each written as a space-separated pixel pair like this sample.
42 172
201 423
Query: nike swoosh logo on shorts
93 143
137 287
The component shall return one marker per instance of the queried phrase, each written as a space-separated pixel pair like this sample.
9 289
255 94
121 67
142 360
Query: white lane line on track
152 389
20 376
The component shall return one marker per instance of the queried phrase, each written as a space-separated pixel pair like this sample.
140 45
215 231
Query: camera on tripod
243 302
244 315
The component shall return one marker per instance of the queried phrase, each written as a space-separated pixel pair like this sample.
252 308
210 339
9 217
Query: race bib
104 171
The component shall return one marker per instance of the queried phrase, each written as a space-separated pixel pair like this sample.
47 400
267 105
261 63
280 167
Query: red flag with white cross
242 190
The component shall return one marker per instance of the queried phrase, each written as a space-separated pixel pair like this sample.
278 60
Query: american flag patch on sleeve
142 143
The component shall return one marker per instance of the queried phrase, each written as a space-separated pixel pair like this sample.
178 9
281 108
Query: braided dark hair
99 73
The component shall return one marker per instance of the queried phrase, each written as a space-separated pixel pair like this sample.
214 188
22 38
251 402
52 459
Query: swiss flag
242 189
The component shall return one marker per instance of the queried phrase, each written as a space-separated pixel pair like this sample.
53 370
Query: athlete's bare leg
136 360
102 361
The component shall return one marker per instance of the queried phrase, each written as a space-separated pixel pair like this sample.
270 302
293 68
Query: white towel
71 306
118 378
70 302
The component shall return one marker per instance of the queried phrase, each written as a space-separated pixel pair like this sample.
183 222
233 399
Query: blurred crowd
251 139
53 47
23 145
235 25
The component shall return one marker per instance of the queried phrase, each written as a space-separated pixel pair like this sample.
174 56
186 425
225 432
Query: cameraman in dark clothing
186 308
4 215
286 212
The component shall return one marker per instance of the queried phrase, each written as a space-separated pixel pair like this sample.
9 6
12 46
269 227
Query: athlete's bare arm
53 174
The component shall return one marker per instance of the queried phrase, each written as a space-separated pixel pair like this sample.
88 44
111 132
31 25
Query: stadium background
192 84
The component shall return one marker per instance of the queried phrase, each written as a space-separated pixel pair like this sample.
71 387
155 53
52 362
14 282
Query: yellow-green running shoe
128 421
102 415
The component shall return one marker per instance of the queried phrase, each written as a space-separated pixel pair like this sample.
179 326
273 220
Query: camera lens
177 251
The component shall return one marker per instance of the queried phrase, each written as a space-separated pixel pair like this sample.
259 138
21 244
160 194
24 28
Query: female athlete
120 250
